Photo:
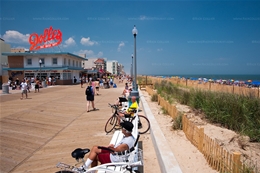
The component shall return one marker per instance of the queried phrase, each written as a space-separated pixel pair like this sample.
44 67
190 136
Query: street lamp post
40 62
132 68
135 89
134 31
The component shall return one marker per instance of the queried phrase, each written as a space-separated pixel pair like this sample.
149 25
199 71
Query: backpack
88 91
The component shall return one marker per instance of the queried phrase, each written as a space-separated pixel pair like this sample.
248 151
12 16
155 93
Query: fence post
201 139
236 162
258 90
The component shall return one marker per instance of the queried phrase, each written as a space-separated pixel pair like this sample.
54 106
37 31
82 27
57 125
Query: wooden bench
118 136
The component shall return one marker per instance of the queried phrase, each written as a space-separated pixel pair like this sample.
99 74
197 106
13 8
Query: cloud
122 44
100 54
69 42
143 18
90 53
15 37
159 50
87 42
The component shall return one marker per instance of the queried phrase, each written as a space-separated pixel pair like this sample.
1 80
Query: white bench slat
115 137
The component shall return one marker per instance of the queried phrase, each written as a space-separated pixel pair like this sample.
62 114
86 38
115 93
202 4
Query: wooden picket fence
209 86
217 157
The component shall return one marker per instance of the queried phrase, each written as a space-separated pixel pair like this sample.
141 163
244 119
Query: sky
174 37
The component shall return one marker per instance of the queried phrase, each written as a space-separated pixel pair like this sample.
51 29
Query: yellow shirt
133 106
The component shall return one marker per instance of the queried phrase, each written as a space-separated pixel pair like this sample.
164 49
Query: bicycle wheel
111 123
143 124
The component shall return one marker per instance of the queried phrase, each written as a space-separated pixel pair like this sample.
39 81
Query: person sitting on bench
102 155
130 111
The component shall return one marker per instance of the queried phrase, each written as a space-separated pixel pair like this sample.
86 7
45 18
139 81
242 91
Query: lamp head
134 31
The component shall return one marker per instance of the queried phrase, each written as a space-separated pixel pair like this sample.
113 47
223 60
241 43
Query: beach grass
236 112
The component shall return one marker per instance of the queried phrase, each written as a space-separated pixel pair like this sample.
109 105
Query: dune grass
235 112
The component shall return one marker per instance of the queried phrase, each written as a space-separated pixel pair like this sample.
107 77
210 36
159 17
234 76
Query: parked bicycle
112 122
129 161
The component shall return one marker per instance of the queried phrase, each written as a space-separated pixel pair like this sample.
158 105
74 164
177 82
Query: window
64 62
54 61
76 63
69 62
69 76
73 63
29 61
65 76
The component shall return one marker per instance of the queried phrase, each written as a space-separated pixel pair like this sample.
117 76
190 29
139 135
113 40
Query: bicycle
130 159
112 122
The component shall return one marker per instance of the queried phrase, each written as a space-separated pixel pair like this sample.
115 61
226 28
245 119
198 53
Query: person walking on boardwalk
90 96
24 88
81 81
37 85
28 85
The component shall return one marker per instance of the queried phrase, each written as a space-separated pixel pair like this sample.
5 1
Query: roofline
43 68
41 53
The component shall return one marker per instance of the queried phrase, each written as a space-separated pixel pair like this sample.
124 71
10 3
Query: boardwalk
38 132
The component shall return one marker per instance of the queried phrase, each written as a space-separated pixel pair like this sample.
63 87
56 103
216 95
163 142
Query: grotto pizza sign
49 38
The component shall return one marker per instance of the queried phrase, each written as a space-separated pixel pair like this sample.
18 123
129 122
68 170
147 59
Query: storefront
61 66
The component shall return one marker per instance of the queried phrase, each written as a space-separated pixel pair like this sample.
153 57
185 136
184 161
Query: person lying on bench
97 153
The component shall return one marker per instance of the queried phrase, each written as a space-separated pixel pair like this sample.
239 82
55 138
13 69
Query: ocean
217 76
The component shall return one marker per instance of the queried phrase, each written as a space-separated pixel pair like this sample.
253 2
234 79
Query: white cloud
143 18
69 42
100 54
122 44
15 37
159 50
90 53
87 42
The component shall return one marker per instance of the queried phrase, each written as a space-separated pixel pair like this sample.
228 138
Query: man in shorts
90 97
104 156
24 88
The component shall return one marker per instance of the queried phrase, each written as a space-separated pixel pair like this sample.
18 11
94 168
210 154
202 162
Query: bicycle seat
79 153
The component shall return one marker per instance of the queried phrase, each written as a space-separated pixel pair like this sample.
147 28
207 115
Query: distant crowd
16 84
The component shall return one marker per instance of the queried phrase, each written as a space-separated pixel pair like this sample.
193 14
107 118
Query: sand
188 156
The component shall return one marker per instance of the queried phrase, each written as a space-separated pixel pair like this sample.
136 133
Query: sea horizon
240 77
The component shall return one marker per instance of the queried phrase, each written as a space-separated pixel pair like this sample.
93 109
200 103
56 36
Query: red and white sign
49 38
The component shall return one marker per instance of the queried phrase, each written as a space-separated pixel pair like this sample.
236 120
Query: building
112 67
120 69
101 66
63 66
94 67
3 60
